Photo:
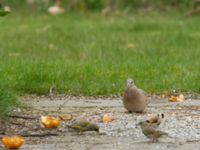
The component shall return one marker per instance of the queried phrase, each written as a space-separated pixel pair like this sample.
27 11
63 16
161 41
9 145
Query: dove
151 132
134 99
83 126
56 9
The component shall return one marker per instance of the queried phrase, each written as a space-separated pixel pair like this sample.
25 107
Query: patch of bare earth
182 122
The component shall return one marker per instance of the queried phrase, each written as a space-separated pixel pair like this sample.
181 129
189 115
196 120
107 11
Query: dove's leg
128 112
139 111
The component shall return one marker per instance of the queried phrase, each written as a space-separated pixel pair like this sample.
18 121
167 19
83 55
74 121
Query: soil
181 122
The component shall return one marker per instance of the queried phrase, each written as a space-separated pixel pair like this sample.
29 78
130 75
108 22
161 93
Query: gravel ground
181 122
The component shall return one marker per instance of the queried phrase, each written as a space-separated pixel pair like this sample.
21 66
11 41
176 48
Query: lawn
8 101
94 55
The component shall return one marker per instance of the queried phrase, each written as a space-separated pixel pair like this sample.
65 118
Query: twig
193 141
61 105
17 124
39 135
22 117
2 133
35 135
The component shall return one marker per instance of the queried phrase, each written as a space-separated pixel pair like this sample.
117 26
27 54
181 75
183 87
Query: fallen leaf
173 99
163 96
13 142
107 119
179 98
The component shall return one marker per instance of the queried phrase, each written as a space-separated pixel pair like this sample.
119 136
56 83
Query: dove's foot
130 112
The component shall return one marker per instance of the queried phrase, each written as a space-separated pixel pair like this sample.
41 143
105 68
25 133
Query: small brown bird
150 132
134 99
156 120
83 126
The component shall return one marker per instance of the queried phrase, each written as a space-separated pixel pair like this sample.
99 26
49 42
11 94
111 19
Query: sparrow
151 132
84 126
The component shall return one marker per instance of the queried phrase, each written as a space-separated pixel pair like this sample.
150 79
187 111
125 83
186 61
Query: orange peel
13 142
107 119
50 122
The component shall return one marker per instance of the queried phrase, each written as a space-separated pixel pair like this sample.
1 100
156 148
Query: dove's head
130 82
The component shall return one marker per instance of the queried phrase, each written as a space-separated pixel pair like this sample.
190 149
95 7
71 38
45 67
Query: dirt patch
182 122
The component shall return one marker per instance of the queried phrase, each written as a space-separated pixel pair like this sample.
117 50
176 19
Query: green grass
94 55
7 101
